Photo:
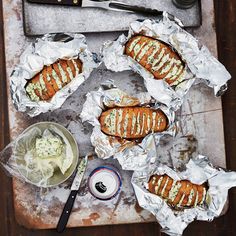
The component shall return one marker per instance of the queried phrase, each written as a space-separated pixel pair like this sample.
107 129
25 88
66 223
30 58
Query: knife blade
71 199
59 2
104 4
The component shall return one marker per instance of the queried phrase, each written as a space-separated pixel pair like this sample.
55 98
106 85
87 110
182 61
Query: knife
61 225
104 4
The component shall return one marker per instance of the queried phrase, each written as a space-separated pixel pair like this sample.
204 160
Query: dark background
225 11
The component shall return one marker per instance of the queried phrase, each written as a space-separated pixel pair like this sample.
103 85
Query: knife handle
61 225
59 2
136 9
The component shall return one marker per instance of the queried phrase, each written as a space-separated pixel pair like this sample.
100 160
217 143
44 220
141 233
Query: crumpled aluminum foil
201 66
45 51
198 171
131 155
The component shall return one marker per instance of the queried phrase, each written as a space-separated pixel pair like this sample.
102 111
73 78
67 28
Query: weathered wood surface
222 226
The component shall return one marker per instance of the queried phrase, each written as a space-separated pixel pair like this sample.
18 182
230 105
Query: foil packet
45 51
198 171
132 155
200 65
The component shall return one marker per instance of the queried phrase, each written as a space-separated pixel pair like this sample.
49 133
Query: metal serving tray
84 20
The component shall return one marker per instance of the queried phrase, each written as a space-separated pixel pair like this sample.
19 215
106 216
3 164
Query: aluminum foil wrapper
200 64
198 170
45 51
130 154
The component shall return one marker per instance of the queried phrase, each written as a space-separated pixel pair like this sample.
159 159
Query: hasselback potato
52 78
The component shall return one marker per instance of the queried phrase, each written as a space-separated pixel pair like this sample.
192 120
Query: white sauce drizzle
181 77
174 191
151 58
76 67
181 200
159 122
158 185
196 200
203 196
138 124
155 61
57 79
107 121
126 121
143 123
168 66
154 121
120 113
148 123
190 197
137 49
48 77
63 74
178 62
39 88
153 180
42 83
112 127
173 72
162 62
163 190
30 90
133 123
70 73
144 51
133 43
174 76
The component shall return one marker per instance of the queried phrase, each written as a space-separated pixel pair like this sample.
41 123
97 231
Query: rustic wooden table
226 29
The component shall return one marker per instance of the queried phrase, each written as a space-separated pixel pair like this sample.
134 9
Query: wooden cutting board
202 131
